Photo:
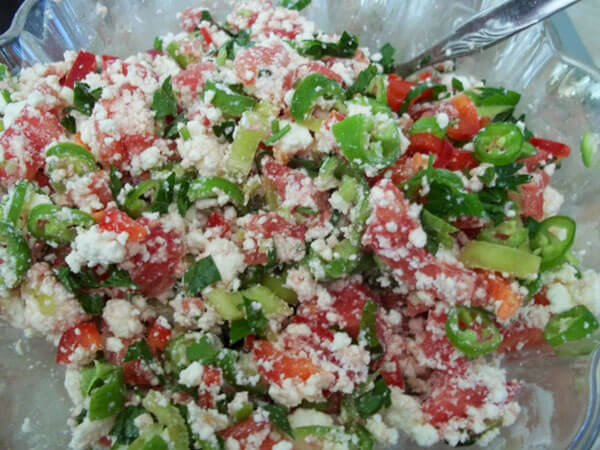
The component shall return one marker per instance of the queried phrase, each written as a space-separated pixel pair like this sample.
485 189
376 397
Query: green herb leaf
124 429
3 72
91 304
172 130
68 123
254 316
278 417
363 81
158 44
278 135
6 95
438 232
344 48
372 401
203 351
164 103
115 182
84 99
387 57
368 330
165 194
68 279
225 130
457 85
201 274
183 201
238 330
227 100
117 278
298 5
139 350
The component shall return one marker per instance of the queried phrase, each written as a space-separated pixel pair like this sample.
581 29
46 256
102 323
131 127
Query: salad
256 236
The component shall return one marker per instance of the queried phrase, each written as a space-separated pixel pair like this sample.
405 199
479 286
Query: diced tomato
540 157
333 118
193 77
518 337
438 350
99 185
157 336
267 225
113 219
348 305
468 120
424 76
206 36
84 335
427 143
249 61
499 289
308 68
84 63
250 434
190 18
212 376
275 364
403 169
108 60
23 143
158 263
532 195
411 264
217 220
105 441
397 90
137 373
458 159
540 298
450 400
556 149
392 373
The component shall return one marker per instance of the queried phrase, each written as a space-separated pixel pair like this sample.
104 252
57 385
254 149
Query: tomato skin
397 90
84 63
556 149
115 220
137 373
249 61
532 195
468 119
216 220
275 364
157 336
520 337
459 159
85 335
193 77
248 432
427 143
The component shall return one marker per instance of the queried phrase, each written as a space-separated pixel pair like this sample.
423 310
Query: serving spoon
486 29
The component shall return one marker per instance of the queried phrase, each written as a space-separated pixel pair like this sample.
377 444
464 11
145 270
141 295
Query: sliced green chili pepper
169 416
428 125
346 260
17 258
499 143
309 90
500 258
354 134
472 331
492 101
135 204
207 187
173 51
553 239
109 399
56 224
15 202
510 232
276 284
68 154
229 102
571 325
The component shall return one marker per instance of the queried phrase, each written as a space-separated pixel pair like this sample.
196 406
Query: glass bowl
561 97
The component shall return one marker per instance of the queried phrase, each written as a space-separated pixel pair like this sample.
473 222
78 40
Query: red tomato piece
459 159
468 120
206 36
249 433
84 63
500 289
556 149
397 237
427 143
190 18
84 335
348 305
268 225
156 266
540 157
438 350
216 220
397 90
532 195
23 144
249 61
517 337
99 185
113 219
137 373
317 67
193 77
275 364
212 376
157 336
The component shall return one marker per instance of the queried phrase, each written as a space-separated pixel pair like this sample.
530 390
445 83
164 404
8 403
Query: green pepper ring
467 340
571 325
551 247
498 143
204 187
134 204
45 223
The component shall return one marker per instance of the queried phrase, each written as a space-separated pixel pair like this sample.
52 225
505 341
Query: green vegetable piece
55 224
589 148
16 256
238 330
226 303
457 85
368 330
277 133
84 99
347 261
163 102
415 91
201 274
553 239
387 57
500 258
438 232
12 209
71 157
209 187
472 331
491 101
243 412
225 130
108 399
574 324
158 44
510 232
245 143
91 304
3 72
69 124
139 350
364 439
298 5
124 429
229 102
499 143
363 81
173 51
165 195
309 90
344 48
428 125
135 203
189 347
170 417
276 284
271 304
278 417
115 181
372 401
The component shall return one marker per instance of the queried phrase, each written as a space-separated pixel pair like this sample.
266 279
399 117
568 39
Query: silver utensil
486 29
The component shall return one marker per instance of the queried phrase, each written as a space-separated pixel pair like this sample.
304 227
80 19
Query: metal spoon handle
486 29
